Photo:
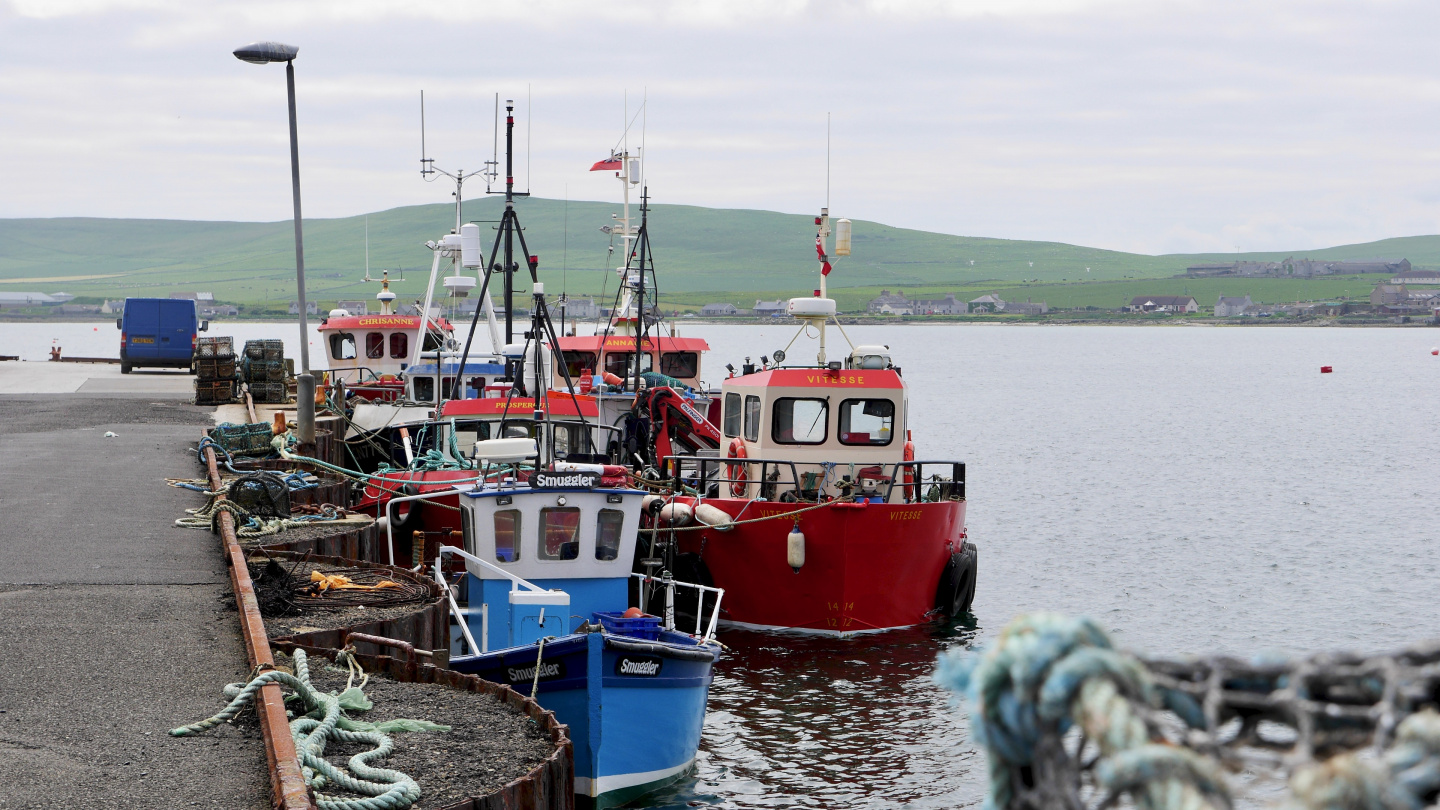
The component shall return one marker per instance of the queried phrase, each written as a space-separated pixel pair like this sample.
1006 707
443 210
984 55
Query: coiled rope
250 525
1161 730
1048 672
325 722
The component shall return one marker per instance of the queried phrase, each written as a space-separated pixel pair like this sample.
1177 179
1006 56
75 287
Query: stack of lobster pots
215 371
266 371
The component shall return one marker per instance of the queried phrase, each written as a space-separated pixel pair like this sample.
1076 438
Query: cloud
1161 126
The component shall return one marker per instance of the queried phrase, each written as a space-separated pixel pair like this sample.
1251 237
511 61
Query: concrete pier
115 625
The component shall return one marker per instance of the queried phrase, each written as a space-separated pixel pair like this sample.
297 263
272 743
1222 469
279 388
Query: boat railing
515 583
784 480
670 584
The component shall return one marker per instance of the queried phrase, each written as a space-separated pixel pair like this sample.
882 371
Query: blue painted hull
635 709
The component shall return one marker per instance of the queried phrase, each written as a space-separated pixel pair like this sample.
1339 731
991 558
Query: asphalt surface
115 625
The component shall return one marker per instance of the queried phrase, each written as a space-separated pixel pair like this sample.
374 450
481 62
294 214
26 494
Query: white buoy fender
676 514
795 549
651 504
713 516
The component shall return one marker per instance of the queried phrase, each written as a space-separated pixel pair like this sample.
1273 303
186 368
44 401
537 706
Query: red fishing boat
819 517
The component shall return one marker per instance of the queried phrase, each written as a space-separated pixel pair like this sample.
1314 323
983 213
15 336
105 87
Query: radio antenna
492 166
425 162
527 138
827 160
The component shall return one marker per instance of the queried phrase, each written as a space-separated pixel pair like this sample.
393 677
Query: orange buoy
1326 369
633 613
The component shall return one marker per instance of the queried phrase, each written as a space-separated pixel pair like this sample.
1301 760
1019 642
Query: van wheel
125 368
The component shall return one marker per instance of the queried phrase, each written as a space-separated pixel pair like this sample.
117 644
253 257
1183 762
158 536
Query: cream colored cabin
833 424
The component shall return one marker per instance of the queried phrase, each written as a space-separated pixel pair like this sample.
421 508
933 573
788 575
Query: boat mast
510 226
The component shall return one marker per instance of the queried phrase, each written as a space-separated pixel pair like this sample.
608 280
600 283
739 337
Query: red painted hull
867 567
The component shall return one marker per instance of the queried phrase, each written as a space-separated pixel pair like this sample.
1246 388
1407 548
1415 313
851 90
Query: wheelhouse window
559 533
399 345
680 364
752 419
432 341
424 388
621 363
507 535
732 415
374 345
342 346
577 363
607 534
570 439
867 421
797 420
467 433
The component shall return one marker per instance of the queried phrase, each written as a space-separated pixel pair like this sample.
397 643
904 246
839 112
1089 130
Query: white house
1231 307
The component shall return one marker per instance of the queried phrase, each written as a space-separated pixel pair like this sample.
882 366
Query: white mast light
842 237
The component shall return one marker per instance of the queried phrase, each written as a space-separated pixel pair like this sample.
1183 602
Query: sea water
1194 489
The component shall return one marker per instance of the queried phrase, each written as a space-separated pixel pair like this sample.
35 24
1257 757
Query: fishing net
1068 721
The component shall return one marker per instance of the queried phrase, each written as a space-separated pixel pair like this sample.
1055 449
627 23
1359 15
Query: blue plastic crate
642 627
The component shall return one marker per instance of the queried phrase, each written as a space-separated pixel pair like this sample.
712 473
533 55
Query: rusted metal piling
288 787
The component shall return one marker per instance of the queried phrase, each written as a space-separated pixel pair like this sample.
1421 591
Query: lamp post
260 53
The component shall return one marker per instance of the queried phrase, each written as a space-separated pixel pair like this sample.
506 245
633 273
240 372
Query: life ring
737 472
909 475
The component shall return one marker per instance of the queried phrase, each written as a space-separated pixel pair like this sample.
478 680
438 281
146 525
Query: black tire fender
955 591
406 518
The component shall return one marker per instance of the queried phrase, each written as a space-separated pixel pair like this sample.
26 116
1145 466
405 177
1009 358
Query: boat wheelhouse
837 527
541 604
368 353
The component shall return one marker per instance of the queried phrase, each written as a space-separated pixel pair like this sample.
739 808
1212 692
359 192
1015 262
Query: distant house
1025 308
939 306
770 308
1163 303
112 307
719 309
359 307
887 303
1231 307
988 303
220 311
1385 294
1417 277
311 308
1292 267
579 308
201 297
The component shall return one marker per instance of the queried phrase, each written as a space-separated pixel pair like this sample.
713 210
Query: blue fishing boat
545 586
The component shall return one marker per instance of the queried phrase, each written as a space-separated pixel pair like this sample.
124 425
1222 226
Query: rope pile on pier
1068 721
249 525
325 722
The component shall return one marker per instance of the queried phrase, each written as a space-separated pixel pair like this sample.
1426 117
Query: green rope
385 789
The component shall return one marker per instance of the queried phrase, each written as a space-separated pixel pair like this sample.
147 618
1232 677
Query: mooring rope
1161 731
251 525
324 722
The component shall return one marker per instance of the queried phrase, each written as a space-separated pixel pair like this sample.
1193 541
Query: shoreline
913 321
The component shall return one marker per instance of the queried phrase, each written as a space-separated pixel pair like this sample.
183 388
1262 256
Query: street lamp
260 53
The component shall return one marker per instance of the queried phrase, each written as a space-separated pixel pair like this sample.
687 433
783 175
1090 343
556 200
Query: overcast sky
1144 126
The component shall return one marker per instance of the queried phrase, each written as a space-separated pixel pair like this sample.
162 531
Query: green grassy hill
702 254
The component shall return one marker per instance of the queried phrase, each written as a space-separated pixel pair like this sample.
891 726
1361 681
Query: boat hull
635 709
867 566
